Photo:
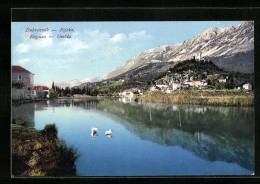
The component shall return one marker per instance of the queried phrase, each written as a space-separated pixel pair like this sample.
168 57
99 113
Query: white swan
109 132
94 134
93 129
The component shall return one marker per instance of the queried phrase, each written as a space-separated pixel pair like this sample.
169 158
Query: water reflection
27 110
94 134
109 135
212 133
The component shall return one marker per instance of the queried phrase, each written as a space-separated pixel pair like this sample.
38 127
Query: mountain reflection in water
211 133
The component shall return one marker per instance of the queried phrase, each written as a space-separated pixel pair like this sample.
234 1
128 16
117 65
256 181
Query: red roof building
21 75
20 69
40 88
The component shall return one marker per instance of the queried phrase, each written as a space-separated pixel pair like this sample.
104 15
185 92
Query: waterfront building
21 75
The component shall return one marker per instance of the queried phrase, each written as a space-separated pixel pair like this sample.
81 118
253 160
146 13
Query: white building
41 88
247 86
191 83
155 88
176 85
169 89
222 80
162 86
200 56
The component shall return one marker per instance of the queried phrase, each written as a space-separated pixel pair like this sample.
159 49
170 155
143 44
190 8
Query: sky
95 48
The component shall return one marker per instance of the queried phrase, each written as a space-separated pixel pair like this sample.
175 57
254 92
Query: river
150 139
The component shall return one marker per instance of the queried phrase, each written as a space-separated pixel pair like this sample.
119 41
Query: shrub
36 172
19 120
66 158
50 130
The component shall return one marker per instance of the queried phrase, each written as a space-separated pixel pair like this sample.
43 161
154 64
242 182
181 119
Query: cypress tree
53 85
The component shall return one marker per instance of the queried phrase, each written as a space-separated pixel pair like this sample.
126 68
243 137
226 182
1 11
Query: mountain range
231 48
72 83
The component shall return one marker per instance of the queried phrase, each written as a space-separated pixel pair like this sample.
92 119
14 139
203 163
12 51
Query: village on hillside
23 87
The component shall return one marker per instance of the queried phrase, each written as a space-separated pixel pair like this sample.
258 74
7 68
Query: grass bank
41 153
210 97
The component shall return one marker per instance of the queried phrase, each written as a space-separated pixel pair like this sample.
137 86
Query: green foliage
209 97
53 93
66 158
36 172
41 94
113 88
53 86
19 120
198 66
50 130
17 85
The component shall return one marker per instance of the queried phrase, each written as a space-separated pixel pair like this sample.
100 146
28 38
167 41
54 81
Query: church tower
200 56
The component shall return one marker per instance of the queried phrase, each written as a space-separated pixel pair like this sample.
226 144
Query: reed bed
213 97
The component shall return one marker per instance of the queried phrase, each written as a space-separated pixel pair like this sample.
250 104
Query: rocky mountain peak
231 48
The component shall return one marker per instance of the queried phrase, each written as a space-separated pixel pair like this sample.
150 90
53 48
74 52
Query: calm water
150 138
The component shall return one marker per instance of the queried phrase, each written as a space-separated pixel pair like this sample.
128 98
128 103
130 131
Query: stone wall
27 79
21 94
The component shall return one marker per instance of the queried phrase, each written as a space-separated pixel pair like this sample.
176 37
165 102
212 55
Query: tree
53 93
83 91
41 94
53 87
200 77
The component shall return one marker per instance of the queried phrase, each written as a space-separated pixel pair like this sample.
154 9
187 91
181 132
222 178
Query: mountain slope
72 83
231 48
150 56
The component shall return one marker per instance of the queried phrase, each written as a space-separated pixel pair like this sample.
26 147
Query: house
155 88
162 86
169 89
199 83
222 80
185 85
41 88
131 92
176 85
205 83
247 86
21 75
128 93
191 83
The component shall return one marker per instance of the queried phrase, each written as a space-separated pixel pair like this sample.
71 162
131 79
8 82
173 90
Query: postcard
132 98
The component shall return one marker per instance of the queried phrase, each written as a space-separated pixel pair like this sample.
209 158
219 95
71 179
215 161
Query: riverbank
23 101
210 97
77 96
41 153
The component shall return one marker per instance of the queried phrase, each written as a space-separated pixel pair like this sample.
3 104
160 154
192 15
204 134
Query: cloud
140 34
85 49
23 61
22 48
33 43
45 42
131 36
118 37
73 46
89 39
